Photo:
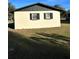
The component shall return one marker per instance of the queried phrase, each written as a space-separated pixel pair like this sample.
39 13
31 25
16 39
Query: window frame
37 16
51 16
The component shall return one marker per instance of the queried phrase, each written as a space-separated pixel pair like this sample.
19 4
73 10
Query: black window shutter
44 16
30 16
51 15
37 16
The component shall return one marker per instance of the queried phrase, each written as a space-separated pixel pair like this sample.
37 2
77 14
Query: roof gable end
39 4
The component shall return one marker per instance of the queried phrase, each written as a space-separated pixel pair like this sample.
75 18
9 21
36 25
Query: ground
47 43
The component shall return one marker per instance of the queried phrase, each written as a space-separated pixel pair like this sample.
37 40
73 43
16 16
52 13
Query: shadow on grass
21 47
65 21
56 36
11 25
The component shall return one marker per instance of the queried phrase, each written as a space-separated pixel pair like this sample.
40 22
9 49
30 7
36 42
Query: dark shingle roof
40 4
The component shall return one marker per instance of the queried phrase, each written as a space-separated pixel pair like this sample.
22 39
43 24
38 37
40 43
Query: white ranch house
36 16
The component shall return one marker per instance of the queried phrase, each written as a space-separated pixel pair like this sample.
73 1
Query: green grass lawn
64 30
50 43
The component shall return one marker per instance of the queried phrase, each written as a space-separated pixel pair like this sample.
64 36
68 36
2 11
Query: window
34 16
48 15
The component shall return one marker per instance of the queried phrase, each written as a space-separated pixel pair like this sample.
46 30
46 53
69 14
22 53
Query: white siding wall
22 20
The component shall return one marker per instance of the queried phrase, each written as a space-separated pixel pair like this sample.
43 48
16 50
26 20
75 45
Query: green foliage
59 7
10 7
63 11
68 15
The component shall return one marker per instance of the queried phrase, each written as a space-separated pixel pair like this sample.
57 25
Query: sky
22 3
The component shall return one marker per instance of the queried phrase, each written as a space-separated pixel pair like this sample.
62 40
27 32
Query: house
37 15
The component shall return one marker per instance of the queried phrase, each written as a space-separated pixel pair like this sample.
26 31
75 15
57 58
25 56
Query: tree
68 12
62 12
59 7
11 8
68 15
